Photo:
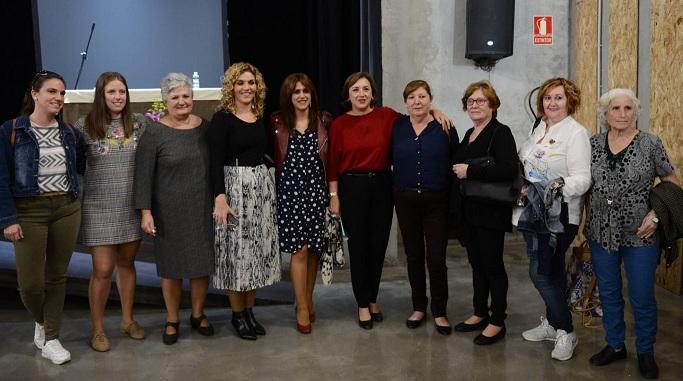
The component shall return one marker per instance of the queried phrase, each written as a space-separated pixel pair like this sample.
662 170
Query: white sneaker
544 331
55 352
564 345
39 336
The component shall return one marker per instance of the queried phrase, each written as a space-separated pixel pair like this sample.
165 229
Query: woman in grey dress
110 225
173 192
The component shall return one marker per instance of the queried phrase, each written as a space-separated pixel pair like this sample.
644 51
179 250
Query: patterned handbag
583 292
334 255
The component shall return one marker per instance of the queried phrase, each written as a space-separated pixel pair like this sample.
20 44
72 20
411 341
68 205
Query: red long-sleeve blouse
360 142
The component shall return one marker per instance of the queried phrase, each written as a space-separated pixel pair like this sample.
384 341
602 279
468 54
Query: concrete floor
337 349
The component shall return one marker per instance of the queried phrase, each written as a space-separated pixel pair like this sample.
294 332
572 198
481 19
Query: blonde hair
230 77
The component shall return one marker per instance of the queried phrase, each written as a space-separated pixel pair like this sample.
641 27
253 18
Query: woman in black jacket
486 224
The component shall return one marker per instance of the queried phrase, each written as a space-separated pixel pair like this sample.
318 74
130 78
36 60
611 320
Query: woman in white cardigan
558 153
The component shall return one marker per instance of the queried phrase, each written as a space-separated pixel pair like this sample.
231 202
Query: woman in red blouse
360 184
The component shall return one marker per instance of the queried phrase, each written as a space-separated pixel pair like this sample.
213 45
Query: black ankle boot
251 320
242 327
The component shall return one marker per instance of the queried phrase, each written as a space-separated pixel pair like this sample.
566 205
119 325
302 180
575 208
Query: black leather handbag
492 192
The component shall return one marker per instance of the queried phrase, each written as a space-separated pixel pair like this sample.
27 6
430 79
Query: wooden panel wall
586 63
666 113
623 44
666 77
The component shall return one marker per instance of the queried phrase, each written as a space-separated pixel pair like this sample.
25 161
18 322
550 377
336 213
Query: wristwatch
333 194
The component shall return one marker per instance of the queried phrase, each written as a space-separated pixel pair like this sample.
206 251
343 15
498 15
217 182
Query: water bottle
195 80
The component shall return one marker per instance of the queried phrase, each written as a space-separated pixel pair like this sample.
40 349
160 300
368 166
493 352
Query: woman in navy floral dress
300 156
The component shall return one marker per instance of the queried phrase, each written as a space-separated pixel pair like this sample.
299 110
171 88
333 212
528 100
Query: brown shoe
100 342
133 330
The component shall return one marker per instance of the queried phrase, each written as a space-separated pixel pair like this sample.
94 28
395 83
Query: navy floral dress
302 196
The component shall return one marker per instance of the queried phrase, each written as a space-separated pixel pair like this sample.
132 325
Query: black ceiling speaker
490 31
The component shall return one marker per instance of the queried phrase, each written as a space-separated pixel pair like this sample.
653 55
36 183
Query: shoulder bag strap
488 150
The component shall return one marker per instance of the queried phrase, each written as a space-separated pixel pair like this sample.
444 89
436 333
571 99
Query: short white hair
172 81
608 97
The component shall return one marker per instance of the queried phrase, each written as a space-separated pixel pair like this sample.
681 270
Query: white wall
426 40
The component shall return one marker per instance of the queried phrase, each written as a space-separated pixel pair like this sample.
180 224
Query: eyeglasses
479 101
556 98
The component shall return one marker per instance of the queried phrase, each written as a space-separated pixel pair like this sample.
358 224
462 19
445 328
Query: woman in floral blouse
621 225
110 224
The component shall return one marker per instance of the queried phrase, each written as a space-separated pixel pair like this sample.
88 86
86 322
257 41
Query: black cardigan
504 151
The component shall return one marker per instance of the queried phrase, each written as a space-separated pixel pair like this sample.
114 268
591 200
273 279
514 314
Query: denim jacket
19 164
540 222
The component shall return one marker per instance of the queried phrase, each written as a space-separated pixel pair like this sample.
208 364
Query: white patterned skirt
247 252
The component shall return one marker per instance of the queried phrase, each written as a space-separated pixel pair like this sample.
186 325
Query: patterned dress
109 216
302 196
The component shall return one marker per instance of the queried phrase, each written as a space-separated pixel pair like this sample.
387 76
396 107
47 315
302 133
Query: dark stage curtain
328 40
18 55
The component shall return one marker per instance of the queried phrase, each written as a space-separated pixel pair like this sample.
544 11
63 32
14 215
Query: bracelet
333 194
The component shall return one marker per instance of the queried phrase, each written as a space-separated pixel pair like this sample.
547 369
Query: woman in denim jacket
39 208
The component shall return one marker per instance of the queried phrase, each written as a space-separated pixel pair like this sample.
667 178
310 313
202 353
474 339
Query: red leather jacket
281 133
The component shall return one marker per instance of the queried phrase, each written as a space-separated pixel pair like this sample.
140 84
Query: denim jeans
640 264
553 287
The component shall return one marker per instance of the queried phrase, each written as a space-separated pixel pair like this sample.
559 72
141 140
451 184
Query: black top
422 161
504 151
234 142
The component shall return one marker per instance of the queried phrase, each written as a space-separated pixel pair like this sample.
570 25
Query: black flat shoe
251 320
443 329
377 316
196 323
172 338
464 327
485 340
365 324
607 355
242 327
412 324
647 365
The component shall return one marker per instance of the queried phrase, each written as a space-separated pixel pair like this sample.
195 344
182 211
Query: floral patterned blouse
620 196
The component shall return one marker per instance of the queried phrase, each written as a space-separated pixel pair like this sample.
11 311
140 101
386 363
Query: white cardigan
565 151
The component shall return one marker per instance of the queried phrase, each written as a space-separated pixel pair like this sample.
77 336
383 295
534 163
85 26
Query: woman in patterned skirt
110 225
300 159
246 246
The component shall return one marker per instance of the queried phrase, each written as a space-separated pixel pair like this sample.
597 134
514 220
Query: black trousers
367 206
423 220
485 254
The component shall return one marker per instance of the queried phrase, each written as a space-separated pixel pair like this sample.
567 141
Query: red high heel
305 329
311 317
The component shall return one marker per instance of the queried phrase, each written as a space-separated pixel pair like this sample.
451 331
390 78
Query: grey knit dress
108 213
172 179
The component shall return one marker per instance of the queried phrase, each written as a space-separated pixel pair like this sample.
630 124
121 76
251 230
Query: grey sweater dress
172 179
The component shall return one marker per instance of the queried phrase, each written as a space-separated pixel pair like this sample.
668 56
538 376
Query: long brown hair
98 118
286 106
